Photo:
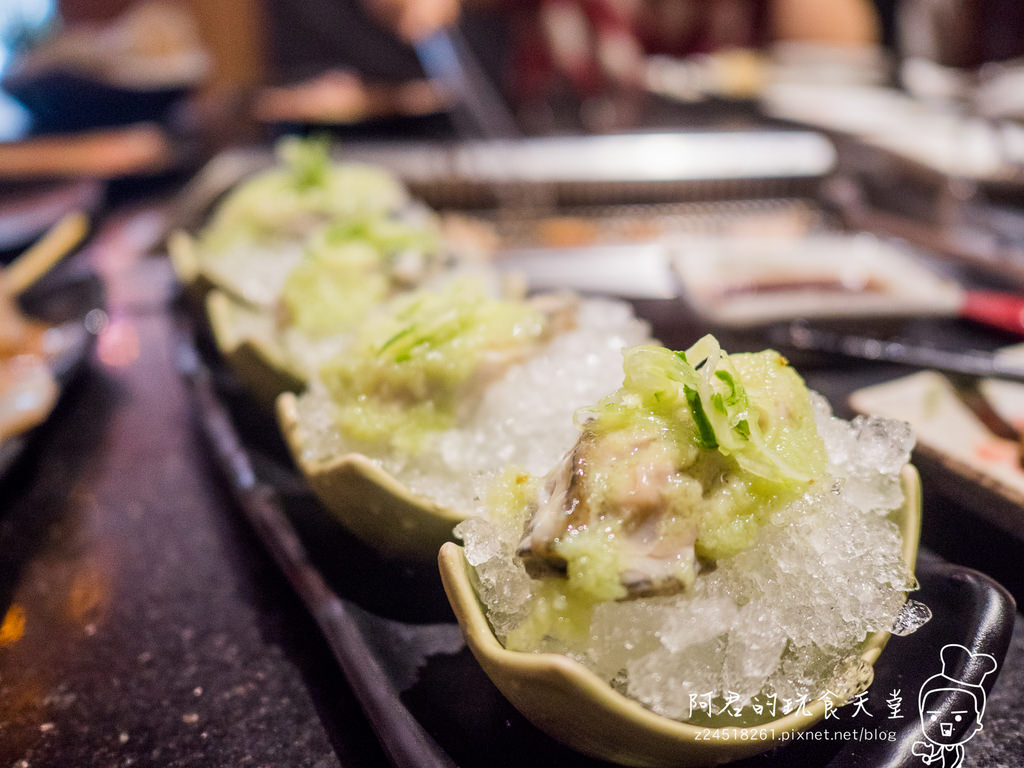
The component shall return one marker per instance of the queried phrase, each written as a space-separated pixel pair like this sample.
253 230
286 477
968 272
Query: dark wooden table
145 624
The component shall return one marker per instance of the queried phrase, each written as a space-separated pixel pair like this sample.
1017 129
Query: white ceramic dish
744 281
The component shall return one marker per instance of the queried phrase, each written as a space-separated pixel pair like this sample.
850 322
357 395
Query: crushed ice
773 620
912 616
525 419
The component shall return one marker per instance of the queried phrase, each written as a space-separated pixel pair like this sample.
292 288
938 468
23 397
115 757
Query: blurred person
961 33
558 62
596 44
308 36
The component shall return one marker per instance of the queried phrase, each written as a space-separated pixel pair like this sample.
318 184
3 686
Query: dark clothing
309 36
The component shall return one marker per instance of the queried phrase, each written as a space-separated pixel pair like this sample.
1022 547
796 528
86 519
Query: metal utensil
480 111
800 336
971 395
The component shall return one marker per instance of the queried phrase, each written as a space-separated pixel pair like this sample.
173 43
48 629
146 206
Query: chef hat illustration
963 670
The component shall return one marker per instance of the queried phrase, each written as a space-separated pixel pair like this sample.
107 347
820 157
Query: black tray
390 628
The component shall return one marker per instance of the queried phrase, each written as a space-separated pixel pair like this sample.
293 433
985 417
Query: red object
999 310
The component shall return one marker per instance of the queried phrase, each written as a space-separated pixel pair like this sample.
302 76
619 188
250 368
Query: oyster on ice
678 469
652 563
413 368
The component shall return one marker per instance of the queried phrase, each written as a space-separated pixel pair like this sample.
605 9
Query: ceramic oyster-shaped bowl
575 706
244 333
184 257
252 277
431 353
247 340
367 500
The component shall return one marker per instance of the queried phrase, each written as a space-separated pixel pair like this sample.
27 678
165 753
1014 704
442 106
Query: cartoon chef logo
952 704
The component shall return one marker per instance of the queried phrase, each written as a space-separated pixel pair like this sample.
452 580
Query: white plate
743 281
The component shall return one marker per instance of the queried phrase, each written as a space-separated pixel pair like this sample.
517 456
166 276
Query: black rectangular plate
391 631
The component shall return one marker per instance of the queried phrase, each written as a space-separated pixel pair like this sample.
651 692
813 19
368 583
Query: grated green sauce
411 365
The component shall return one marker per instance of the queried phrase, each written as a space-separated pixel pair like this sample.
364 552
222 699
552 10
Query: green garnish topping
741 426
389 235
308 160
353 267
410 365
303 194
705 432
333 289
734 395
719 413
396 337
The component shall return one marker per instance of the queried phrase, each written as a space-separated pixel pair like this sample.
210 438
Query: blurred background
558 65
840 179
122 89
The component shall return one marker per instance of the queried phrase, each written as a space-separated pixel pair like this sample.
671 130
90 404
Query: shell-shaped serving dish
244 334
184 257
246 339
368 501
575 706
